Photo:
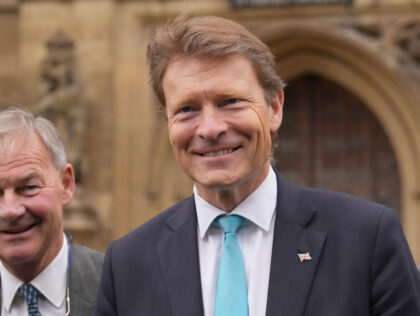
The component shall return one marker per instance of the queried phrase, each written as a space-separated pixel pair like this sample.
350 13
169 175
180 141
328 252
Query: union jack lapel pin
304 256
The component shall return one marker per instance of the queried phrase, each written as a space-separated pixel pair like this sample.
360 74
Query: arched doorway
329 139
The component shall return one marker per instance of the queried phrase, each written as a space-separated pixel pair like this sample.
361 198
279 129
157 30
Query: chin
218 182
18 256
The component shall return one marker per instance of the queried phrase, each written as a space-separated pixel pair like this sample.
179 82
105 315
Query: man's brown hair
209 37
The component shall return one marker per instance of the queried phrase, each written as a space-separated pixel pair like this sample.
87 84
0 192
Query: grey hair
14 120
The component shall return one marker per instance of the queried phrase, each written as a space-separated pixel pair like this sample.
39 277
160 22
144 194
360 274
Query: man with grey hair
42 271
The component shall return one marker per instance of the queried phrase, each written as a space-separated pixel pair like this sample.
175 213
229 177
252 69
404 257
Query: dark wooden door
329 139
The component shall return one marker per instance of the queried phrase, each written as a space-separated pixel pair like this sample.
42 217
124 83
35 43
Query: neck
227 198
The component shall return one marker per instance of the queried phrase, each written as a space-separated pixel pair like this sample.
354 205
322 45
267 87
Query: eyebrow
19 181
28 177
217 95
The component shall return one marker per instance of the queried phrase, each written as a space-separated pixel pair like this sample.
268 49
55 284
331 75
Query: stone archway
308 48
330 140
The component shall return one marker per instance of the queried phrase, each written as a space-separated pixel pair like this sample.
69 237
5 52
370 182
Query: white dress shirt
255 239
50 283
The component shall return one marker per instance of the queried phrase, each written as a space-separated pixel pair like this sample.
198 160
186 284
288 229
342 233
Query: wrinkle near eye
171 122
266 131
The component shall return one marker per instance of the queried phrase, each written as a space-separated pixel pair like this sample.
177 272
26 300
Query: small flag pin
304 256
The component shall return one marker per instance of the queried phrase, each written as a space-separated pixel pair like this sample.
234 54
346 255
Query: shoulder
85 274
85 271
87 253
347 215
86 259
159 227
329 205
335 203
345 219
340 215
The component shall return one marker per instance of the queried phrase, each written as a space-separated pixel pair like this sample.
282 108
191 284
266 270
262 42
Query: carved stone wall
63 103
81 63
9 22
56 60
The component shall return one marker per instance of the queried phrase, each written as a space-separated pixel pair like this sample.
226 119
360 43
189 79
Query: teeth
218 153
17 231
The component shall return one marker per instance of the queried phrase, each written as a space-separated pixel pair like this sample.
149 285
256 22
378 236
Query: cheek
262 126
44 205
179 135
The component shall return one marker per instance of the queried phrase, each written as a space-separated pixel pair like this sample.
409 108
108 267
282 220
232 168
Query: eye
232 101
30 187
185 112
29 190
186 109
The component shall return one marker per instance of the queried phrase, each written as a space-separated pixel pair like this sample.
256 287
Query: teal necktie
31 295
231 291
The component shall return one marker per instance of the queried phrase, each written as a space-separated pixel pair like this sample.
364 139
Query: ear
68 184
276 110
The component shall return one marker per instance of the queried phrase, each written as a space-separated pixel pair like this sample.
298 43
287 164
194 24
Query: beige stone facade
82 63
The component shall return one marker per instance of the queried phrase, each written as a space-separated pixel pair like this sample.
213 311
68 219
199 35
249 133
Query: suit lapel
291 279
178 254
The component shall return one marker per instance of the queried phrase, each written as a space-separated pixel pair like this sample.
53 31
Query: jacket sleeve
105 303
395 280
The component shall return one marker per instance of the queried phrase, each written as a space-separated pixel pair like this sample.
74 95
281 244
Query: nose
11 207
212 123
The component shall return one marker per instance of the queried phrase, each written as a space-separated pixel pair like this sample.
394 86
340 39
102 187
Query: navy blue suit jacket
361 263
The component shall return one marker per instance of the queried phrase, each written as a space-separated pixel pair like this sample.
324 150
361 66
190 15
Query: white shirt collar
258 207
51 282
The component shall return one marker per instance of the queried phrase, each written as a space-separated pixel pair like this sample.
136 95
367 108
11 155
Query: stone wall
82 63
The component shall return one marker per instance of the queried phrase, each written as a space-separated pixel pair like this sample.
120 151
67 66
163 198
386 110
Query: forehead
188 75
186 65
184 69
22 148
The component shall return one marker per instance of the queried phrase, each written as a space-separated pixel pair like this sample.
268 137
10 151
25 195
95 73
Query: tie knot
28 290
229 223
30 293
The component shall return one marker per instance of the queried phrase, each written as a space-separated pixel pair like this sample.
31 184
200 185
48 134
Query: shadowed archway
329 139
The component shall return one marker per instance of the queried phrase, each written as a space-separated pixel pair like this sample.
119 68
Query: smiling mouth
18 230
219 153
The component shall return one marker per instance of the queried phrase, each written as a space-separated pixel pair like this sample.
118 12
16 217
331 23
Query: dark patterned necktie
31 295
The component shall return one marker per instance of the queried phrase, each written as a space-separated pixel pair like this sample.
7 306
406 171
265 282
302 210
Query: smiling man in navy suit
299 251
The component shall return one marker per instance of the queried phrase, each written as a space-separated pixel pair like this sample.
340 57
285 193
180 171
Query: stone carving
63 103
370 30
58 68
397 39
407 39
